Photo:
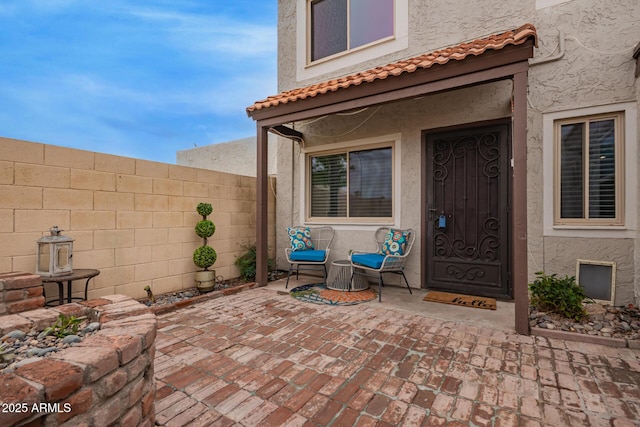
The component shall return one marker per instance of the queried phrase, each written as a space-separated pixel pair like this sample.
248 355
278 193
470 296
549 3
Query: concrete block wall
132 219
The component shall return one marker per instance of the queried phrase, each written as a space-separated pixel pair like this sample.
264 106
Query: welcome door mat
463 300
319 294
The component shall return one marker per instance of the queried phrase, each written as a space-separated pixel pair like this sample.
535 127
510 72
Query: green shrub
246 263
65 325
558 295
205 228
205 257
204 209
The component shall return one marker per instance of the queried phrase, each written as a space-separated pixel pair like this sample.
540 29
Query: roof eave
489 59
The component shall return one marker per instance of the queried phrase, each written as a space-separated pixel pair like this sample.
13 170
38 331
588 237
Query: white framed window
337 26
542 4
334 34
589 171
351 184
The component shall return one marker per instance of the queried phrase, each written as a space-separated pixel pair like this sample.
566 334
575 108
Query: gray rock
91 327
33 352
69 339
43 334
48 350
16 335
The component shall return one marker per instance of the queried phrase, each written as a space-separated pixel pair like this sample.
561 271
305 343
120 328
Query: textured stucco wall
408 118
237 157
596 69
567 250
637 238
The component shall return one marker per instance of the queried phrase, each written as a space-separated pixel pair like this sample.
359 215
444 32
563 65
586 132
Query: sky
137 78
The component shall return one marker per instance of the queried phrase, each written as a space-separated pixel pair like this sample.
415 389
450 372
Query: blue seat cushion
368 260
313 255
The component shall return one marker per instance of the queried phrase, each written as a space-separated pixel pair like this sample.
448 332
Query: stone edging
591 339
161 309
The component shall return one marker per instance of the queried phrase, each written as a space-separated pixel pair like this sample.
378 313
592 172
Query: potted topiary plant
205 256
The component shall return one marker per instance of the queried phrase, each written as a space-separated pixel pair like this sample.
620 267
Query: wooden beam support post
519 211
262 197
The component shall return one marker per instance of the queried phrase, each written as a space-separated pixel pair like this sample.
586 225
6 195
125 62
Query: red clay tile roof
458 53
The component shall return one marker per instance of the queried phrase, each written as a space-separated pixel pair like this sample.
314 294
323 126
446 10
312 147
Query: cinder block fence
132 219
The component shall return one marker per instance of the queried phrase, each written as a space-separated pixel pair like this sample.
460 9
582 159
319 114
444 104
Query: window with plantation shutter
589 170
351 184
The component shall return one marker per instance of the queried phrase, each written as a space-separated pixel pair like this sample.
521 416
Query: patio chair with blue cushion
393 247
309 249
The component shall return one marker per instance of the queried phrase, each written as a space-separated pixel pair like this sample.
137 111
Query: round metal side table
340 276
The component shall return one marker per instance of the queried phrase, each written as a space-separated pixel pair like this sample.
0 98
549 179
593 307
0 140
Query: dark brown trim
424 213
459 82
469 71
262 244
519 204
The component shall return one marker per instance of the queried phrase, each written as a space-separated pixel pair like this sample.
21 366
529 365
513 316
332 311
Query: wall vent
598 278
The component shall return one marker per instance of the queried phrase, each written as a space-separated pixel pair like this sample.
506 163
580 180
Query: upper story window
337 35
338 26
589 170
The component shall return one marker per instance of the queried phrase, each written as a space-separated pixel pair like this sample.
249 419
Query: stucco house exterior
504 132
237 156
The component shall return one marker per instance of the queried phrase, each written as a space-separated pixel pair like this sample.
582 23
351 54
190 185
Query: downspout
550 58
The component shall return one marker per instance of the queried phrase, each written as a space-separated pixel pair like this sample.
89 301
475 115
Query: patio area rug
319 294
459 299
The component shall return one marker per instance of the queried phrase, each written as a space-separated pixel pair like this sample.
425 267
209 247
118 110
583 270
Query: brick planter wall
106 380
20 292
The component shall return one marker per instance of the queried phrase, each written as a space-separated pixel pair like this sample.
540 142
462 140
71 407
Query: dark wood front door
467 173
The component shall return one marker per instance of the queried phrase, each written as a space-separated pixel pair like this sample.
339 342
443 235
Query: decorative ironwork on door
468 211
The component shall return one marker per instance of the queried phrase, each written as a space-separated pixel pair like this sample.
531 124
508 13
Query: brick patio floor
262 358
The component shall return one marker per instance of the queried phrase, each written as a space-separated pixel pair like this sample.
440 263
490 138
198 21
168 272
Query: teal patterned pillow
395 242
300 238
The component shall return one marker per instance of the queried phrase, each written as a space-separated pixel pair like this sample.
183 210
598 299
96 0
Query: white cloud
211 34
151 74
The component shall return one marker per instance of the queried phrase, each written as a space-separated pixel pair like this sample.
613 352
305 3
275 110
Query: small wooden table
340 277
81 273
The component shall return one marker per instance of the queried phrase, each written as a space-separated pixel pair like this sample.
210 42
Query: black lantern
55 254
